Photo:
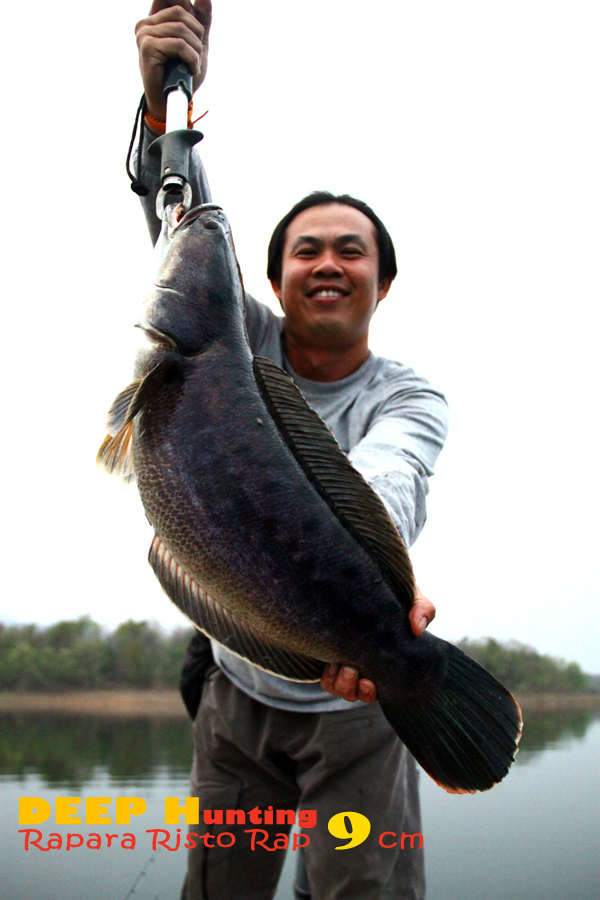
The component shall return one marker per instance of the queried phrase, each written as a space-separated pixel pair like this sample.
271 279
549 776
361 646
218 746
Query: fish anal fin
227 628
328 468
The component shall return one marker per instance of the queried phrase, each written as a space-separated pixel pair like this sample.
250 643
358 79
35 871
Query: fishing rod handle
177 111
175 145
177 75
177 88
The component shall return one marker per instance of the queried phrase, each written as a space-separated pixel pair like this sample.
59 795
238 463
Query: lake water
537 835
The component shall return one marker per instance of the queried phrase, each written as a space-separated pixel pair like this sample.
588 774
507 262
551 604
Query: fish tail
464 730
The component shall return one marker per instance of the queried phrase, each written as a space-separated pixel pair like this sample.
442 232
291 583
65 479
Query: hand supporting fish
344 681
266 537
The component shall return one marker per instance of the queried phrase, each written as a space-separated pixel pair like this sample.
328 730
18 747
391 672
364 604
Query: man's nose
328 264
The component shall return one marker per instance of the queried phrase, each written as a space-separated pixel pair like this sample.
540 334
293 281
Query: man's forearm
397 458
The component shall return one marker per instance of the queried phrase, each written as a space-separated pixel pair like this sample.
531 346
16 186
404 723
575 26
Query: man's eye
307 251
351 251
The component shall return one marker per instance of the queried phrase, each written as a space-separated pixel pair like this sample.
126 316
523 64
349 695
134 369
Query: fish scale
276 506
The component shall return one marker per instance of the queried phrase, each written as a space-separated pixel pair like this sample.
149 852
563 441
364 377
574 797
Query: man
261 741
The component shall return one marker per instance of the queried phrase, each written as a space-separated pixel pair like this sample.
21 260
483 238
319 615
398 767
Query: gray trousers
250 755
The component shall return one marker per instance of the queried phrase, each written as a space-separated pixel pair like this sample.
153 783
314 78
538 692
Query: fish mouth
184 220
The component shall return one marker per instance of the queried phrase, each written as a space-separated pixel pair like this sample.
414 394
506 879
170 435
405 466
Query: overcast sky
472 129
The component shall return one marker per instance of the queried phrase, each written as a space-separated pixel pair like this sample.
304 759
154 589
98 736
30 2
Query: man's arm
172 28
397 455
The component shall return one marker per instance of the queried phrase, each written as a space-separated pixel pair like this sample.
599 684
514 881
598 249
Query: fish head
198 295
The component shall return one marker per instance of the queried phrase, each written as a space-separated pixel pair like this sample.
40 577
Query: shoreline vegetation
168 703
134 670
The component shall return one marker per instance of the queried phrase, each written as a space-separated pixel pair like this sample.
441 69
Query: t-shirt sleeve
264 330
398 453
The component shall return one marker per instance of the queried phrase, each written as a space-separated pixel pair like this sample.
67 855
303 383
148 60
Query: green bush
521 668
78 654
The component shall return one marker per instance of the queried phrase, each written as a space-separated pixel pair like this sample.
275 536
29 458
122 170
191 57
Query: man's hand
422 613
173 28
343 681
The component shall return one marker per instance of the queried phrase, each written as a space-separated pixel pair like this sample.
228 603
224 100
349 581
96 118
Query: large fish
266 537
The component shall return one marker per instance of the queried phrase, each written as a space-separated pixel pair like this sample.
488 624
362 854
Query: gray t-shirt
392 425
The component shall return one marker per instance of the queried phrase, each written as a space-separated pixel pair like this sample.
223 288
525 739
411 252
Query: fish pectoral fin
115 455
166 370
331 473
230 630
117 414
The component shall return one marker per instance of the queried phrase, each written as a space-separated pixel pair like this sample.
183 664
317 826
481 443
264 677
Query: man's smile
327 293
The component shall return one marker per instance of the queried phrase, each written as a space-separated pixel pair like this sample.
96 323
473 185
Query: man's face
329 286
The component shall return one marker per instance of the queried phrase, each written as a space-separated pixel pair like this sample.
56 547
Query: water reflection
493 845
69 749
545 729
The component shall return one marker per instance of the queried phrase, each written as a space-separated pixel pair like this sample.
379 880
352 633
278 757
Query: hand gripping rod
174 146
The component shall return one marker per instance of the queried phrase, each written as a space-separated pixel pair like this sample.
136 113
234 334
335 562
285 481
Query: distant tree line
79 654
594 684
523 670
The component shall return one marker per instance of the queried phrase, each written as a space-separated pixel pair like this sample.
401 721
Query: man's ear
276 285
383 289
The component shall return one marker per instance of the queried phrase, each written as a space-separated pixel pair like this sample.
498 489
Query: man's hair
387 256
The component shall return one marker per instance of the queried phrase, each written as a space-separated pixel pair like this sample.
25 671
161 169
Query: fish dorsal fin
346 492
227 628
115 455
